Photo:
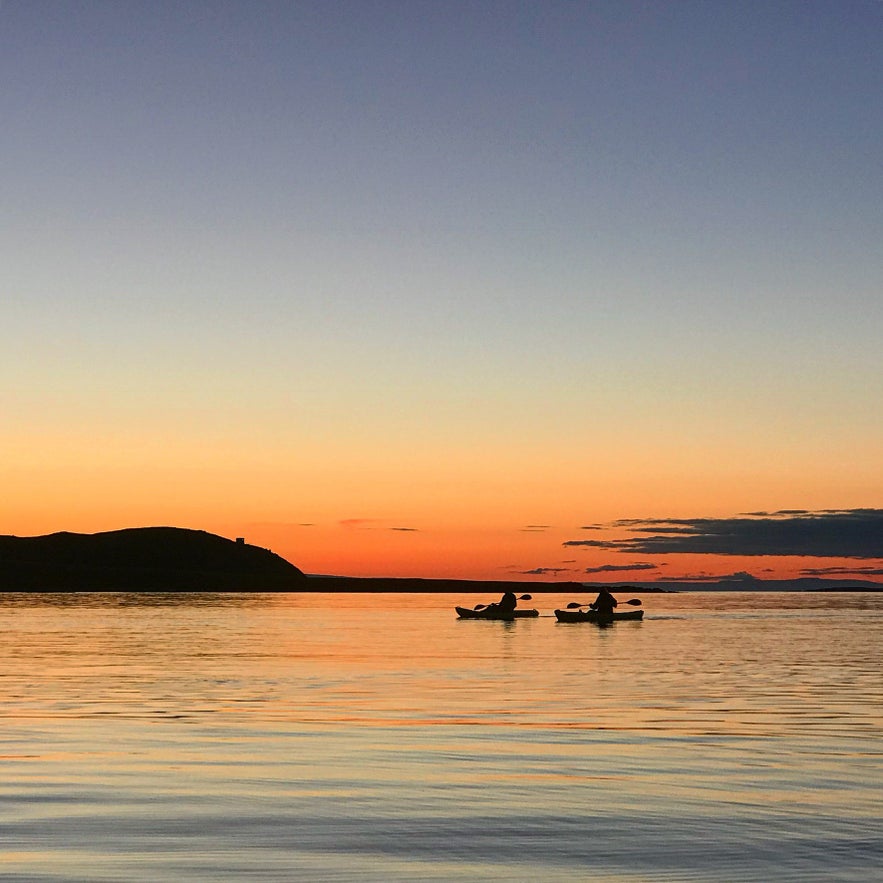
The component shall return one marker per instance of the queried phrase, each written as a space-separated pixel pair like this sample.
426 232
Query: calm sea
727 737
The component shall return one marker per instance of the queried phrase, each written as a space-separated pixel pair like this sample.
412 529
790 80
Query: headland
146 559
174 559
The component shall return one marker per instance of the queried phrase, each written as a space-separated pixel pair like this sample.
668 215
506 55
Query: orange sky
371 508
368 507
501 277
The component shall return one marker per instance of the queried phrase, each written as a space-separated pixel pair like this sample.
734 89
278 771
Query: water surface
727 737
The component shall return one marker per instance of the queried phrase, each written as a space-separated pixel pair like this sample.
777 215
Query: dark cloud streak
544 571
616 568
842 571
850 533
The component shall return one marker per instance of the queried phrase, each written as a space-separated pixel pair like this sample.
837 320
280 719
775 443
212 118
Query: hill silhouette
141 559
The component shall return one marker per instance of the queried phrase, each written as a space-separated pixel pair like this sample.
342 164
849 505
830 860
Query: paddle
522 598
635 602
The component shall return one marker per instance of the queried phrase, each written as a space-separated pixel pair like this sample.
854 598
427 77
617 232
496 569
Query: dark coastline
149 559
437 586
171 559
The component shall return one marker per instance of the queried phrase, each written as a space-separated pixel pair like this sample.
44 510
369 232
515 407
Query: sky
447 289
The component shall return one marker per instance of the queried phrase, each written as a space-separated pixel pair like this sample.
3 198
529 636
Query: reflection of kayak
593 616
492 613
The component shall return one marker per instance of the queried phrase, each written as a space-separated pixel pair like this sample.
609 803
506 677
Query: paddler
507 603
604 603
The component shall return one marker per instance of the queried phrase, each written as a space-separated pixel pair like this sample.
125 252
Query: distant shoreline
343 585
169 559
415 585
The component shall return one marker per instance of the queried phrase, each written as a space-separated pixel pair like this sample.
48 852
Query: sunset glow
414 290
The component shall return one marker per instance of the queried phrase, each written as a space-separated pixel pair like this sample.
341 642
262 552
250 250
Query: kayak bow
594 616
492 613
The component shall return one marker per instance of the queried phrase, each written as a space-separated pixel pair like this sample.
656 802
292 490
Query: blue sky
365 230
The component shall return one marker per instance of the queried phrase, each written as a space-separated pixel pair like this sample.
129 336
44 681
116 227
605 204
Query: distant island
146 559
174 559
437 586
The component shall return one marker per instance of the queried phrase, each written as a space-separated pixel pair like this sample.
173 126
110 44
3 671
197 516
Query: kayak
492 613
593 616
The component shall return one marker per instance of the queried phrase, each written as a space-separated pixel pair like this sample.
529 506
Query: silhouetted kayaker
604 603
507 603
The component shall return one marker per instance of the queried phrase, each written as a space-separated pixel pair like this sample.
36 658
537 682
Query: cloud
830 533
690 578
543 571
611 568
842 571
535 527
276 525
369 524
